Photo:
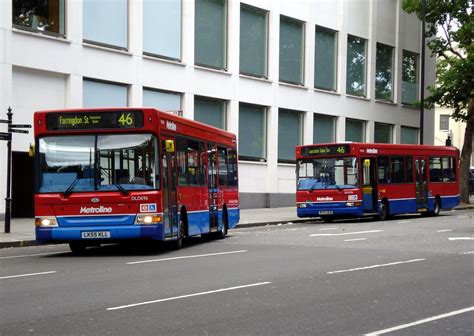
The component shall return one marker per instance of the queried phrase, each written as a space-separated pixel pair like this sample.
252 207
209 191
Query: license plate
95 234
325 212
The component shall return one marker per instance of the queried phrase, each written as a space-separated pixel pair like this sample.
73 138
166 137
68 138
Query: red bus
108 175
344 180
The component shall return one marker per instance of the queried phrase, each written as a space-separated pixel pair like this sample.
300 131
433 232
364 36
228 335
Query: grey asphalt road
408 276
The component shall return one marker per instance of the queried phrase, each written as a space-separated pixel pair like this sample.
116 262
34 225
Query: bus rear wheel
225 222
178 243
383 211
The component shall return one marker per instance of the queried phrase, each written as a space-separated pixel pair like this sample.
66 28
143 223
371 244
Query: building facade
277 73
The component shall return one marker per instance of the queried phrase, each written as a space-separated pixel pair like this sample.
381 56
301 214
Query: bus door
170 212
369 185
421 184
212 187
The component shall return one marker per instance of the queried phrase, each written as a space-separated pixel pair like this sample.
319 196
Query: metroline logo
94 210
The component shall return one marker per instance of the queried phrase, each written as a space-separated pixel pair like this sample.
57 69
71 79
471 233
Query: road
407 276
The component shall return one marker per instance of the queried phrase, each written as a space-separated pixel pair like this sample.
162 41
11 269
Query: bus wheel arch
384 210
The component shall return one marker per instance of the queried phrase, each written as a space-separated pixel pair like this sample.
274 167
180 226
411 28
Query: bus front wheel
77 247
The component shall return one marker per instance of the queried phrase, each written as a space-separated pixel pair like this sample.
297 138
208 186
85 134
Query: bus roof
176 124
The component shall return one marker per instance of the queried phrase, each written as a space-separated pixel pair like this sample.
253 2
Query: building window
106 23
289 134
162 28
252 132
210 111
356 66
162 100
409 135
291 50
325 59
444 122
384 73
383 133
253 41
210 33
100 94
323 128
47 16
355 130
409 78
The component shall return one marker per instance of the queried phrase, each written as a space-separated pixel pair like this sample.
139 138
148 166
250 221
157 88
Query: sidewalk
22 230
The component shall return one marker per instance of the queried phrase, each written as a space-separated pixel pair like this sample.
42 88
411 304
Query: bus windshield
98 163
327 173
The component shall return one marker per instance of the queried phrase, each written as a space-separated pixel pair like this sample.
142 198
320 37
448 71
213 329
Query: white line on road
403 222
185 257
327 229
33 255
408 325
190 295
461 217
461 238
376 266
468 252
26 275
446 230
343 234
356 239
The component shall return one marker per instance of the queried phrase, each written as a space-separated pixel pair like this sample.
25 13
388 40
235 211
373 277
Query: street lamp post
422 79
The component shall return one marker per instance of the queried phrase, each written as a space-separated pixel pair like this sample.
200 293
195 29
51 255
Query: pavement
22 230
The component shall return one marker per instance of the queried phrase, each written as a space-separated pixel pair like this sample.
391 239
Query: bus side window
409 169
383 169
222 166
449 172
435 169
232 157
181 148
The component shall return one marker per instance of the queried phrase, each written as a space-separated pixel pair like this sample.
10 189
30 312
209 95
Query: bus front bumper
99 233
333 209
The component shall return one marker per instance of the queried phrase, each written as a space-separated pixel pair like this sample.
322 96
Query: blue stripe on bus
198 221
76 221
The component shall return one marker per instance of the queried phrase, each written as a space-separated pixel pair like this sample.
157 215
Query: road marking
468 252
327 229
403 222
446 230
434 318
190 295
461 217
461 238
33 255
26 275
356 239
376 266
185 257
343 234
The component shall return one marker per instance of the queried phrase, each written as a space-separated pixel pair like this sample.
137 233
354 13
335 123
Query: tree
450 32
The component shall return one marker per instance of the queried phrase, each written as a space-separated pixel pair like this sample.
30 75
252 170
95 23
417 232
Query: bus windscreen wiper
69 189
118 185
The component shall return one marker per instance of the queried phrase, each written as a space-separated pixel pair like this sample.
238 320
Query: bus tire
77 248
327 219
384 213
178 243
225 225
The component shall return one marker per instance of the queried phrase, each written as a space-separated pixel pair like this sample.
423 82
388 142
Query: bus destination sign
326 150
94 120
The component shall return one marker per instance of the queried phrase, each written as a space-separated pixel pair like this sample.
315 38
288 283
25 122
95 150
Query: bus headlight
351 204
46 221
148 219
302 205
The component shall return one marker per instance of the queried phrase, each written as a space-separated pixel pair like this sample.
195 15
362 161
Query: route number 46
125 119
341 150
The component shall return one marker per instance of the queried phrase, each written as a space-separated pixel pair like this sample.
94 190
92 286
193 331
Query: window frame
303 48
45 32
264 134
267 29
300 115
444 123
392 68
210 99
417 74
336 53
353 93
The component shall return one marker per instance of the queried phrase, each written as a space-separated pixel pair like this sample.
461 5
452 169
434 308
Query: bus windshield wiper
69 189
118 185
311 189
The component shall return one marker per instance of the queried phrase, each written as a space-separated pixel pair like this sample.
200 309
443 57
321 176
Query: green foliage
450 32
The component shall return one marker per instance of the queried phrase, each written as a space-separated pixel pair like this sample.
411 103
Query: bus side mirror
31 150
169 146
366 163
